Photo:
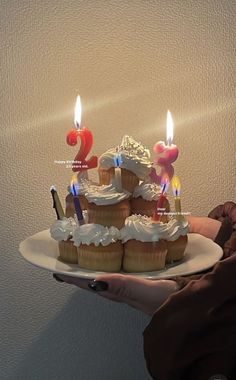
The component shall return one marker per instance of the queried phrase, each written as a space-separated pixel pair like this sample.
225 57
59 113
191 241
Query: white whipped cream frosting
148 191
83 186
96 234
134 156
142 228
105 195
63 229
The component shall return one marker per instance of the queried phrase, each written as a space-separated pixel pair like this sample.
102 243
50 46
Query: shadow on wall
90 350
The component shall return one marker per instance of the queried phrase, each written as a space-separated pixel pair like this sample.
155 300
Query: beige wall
130 61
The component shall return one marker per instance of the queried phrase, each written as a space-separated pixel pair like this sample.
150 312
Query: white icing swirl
148 191
83 186
142 228
129 145
95 234
63 229
134 157
106 195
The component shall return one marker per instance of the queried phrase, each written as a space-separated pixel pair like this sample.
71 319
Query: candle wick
176 193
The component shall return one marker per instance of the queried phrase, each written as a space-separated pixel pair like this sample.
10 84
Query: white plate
41 250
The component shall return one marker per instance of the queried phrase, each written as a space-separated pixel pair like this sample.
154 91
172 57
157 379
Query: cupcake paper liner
144 257
176 249
68 252
110 215
103 258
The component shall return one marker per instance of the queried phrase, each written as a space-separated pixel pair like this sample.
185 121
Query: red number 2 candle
85 136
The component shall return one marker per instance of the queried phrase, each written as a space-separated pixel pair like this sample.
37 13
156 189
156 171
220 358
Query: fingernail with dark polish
57 278
98 286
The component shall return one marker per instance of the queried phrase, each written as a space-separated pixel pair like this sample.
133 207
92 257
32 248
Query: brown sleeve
194 328
193 334
226 236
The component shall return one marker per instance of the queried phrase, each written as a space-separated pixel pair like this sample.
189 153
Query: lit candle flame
77 113
169 128
176 186
74 186
165 183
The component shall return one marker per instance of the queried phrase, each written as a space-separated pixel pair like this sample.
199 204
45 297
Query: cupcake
144 256
144 250
62 231
70 207
107 206
150 245
144 201
177 240
99 247
135 164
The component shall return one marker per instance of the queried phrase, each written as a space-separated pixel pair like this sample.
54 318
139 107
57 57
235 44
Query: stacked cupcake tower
118 229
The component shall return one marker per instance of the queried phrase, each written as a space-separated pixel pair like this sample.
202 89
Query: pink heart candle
165 154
